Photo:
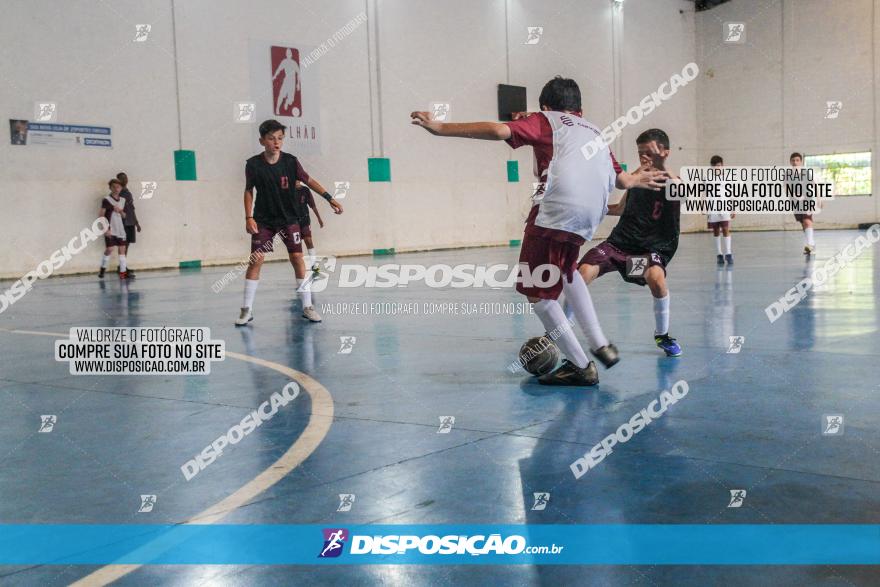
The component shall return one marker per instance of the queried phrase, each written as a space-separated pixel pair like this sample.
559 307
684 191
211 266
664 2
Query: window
850 172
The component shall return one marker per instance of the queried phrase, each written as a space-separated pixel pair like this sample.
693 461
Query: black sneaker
607 355
719 259
729 259
570 374
101 273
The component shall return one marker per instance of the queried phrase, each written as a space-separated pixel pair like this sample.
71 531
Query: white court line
319 424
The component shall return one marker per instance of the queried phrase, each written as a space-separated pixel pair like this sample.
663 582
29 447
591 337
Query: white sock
313 258
727 245
559 329
808 236
661 315
122 265
718 244
105 260
580 303
250 292
305 293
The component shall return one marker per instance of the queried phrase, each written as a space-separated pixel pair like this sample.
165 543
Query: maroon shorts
632 267
721 224
114 241
305 230
802 217
537 251
263 240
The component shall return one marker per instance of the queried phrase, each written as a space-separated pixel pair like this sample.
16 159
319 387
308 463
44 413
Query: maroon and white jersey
576 189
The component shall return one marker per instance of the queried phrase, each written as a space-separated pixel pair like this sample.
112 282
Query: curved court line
319 424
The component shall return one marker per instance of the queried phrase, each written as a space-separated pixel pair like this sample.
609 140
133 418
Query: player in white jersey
573 204
719 222
806 220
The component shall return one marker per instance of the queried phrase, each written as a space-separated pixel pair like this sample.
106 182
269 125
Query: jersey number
658 210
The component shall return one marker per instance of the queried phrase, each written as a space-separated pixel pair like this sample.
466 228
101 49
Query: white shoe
311 314
245 317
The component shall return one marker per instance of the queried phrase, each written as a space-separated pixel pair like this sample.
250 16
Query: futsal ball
295 111
538 355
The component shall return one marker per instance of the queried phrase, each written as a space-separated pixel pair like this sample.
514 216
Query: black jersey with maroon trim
276 203
649 224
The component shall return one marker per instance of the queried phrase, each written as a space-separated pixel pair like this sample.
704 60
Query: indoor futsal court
459 292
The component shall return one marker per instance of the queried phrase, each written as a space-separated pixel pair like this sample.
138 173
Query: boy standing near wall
719 223
306 201
113 209
130 219
806 220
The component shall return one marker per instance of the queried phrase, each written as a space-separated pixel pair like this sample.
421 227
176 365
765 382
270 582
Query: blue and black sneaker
668 344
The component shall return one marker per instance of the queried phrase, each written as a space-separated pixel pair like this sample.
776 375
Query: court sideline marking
311 437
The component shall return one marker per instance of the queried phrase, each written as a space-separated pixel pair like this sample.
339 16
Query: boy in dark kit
113 209
273 174
130 221
572 206
643 243
305 201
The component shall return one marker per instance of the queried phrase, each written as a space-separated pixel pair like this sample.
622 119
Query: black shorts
130 234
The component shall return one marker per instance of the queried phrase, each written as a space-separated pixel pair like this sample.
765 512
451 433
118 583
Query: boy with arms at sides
305 201
273 173
132 226
806 220
573 204
719 222
113 209
644 240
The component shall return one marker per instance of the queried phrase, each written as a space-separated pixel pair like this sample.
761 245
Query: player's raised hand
423 119
653 156
337 208
648 177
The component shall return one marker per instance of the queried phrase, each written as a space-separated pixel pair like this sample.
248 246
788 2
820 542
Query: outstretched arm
318 188
490 131
643 177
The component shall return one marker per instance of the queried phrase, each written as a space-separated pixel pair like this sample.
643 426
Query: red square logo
286 78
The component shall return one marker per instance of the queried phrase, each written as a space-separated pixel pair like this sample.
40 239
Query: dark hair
716 160
561 94
123 177
654 134
795 154
269 126
112 181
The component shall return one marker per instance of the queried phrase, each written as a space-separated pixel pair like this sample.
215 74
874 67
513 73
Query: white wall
444 192
761 100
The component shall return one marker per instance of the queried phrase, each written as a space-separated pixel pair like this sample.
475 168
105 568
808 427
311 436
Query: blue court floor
752 420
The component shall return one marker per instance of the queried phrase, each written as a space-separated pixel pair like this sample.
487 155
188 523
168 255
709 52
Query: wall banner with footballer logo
285 87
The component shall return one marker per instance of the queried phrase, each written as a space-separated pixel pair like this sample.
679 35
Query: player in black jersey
644 240
273 175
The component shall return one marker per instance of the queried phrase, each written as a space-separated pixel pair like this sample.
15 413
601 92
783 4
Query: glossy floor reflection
752 420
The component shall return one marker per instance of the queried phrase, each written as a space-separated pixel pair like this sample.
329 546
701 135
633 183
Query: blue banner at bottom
684 544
